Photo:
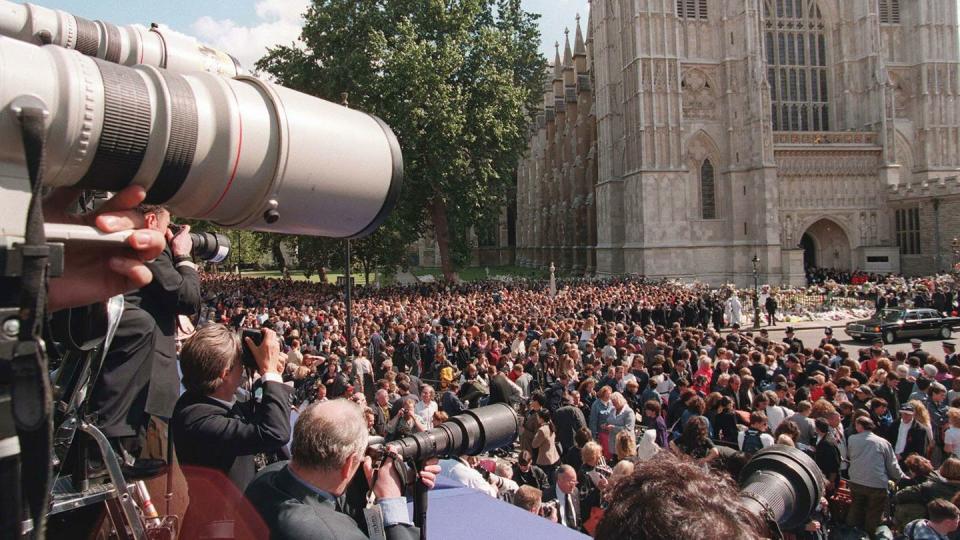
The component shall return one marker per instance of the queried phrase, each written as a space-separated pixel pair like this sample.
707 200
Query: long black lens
467 434
783 482
210 247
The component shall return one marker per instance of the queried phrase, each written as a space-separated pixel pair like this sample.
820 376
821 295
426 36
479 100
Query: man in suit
139 376
906 436
503 390
568 498
827 452
304 498
214 435
567 421
950 353
890 393
381 411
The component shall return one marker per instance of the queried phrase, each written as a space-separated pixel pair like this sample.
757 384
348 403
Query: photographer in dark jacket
305 497
213 432
139 376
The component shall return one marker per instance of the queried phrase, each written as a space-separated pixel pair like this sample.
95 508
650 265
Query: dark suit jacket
892 399
119 394
568 420
827 455
917 439
380 419
292 511
206 433
173 291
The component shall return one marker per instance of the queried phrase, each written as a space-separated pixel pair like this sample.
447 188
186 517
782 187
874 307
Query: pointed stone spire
567 53
557 63
589 22
579 49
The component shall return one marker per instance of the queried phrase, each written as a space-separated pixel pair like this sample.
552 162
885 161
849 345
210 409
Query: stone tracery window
796 54
692 9
708 191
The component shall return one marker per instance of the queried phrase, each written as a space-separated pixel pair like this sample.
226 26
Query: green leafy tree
456 80
315 254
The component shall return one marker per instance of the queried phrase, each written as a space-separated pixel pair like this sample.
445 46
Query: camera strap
31 394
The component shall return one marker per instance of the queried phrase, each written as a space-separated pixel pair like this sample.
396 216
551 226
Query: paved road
811 337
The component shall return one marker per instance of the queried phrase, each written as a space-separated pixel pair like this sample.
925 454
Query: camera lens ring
182 147
88 37
125 134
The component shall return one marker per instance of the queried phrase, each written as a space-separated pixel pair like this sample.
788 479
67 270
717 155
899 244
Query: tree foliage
455 79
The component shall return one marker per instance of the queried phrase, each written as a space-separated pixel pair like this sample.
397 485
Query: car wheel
945 332
889 337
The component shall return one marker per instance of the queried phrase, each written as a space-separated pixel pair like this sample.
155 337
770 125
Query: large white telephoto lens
239 152
128 45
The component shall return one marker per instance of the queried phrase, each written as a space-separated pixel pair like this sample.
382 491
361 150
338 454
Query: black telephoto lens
210 247
470 433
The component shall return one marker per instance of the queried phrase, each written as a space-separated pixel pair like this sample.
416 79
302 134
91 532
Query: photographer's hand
93 273
388 484
180 244
267 354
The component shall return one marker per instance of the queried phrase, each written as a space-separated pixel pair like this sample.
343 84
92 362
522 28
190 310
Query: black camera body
256 336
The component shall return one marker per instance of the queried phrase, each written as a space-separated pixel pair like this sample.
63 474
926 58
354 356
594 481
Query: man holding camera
213 432
139 378
304 498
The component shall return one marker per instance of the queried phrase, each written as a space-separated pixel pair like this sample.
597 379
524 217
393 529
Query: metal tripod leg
122 508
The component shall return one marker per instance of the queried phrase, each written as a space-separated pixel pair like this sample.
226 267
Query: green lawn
466 274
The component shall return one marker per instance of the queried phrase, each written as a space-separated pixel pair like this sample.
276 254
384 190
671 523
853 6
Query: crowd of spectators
615 375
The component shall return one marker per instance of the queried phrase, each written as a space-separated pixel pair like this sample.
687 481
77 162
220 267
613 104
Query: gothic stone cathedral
682 138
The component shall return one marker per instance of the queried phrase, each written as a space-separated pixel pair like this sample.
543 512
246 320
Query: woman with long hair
695 441
545 444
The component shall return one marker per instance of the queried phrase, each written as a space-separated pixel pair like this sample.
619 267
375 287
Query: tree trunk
278 257
441 229
366 271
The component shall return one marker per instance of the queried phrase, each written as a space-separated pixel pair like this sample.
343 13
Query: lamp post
756 292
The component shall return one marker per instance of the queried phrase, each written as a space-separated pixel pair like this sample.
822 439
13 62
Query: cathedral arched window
796 52
708 191
692 9
890 11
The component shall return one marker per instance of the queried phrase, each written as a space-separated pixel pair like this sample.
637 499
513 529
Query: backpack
752 443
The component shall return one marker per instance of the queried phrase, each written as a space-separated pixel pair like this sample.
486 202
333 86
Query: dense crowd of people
615 375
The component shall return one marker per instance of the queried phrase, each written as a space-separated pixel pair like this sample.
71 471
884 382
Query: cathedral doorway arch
809 251
826 245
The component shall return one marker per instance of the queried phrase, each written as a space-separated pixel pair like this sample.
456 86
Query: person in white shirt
427 406
461 471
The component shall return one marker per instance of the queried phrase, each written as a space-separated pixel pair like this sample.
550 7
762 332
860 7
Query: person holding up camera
212 432
304 498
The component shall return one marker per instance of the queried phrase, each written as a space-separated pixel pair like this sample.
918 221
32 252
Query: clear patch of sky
183 15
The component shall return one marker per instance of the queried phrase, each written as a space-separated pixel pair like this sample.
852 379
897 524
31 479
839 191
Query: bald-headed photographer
304 499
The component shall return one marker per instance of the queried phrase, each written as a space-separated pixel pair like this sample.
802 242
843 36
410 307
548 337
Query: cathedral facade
703 139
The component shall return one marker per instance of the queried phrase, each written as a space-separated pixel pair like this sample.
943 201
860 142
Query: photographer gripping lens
205 246
305 498
238 152
128 45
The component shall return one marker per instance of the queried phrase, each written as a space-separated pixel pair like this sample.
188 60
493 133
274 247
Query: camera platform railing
117 495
